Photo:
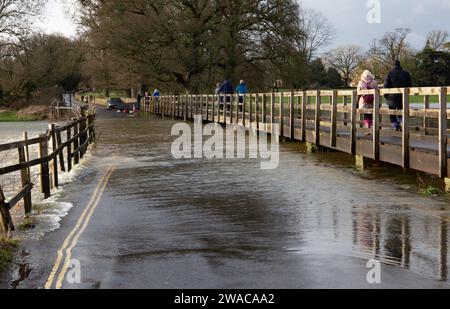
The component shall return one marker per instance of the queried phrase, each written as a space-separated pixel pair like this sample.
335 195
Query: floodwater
48 213
314 221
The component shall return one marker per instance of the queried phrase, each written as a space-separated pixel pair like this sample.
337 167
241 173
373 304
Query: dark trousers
396 121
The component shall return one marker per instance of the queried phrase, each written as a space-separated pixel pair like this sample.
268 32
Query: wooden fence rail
332 119
50 164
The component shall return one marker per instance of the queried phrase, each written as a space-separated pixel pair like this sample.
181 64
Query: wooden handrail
84 134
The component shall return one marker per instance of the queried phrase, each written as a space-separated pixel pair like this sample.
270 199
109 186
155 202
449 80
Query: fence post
6 224
317 117
443 132
69 149
27 152
376 125
272 111
345 114
305 99
334 107
281 122
225 107
61 153
257 112
353 119
405 132
51 128
263 111
44 167
291 115
236 100
25 178
76 144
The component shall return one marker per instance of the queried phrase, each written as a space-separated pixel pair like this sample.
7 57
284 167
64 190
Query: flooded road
195 223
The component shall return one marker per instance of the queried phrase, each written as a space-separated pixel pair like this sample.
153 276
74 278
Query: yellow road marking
63 272
60 252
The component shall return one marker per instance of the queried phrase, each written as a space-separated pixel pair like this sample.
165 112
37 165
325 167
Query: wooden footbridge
332 119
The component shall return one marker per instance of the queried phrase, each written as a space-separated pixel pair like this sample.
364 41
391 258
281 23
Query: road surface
142 219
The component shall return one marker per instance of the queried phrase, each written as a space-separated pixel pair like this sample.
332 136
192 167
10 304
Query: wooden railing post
61 154
25 179
376 125
44 167
237 110
405 132
291 115
213 107
6 224
443 132
334 108
257 109
305 99
281 122
317 117
55 159
263 111
69 149
272 111
76 143
244 121
225 108
353 119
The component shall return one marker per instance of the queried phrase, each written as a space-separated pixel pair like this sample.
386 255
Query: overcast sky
349 17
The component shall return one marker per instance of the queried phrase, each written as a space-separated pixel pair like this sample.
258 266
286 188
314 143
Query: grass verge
13 116
7 249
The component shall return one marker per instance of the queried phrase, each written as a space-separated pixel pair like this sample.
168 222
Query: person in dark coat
397 78
227 88
138 101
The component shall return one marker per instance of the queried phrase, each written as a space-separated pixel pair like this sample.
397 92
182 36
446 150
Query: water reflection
394 240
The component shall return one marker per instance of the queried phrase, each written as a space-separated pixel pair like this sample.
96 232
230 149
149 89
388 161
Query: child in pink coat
367 82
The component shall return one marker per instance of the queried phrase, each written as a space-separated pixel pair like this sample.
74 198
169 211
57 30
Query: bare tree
437 39
345 60
16 16
316 32
391 47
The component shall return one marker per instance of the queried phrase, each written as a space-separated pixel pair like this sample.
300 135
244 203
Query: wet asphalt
197 223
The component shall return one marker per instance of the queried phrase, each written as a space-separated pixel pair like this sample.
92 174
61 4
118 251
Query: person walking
397 78
138 101
226 88
147 101
156 95
241 90
367 82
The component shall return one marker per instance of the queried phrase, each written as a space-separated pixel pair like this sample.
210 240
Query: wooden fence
332 119
80 134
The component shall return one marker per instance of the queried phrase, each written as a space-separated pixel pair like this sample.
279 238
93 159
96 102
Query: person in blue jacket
242 90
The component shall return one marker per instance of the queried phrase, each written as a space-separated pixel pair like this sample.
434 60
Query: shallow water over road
313 222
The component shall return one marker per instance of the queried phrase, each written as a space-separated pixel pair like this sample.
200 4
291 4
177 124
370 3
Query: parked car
115 104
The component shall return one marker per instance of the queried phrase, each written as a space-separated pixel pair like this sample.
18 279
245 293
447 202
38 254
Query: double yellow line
75 234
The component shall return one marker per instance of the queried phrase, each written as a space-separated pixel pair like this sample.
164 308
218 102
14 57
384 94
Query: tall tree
437 39
345 60
316 32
